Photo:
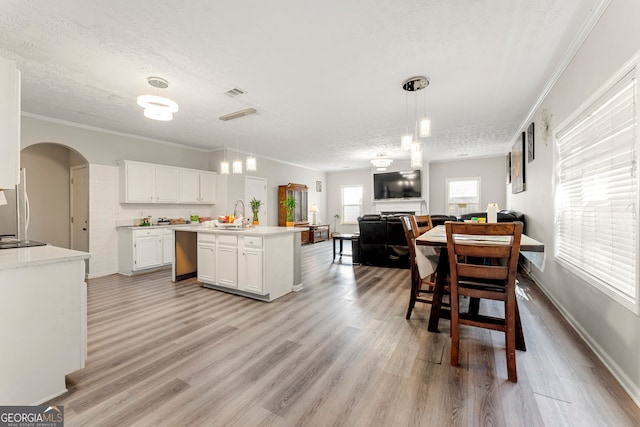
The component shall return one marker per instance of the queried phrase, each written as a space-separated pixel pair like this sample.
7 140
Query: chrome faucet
235 212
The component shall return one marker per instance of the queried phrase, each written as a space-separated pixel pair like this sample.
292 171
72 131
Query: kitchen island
261 263
43 307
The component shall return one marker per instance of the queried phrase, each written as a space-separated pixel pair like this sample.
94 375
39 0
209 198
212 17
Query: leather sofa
382 241
504 215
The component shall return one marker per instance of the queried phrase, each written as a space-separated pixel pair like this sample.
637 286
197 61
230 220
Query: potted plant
255 208
289 205
336 217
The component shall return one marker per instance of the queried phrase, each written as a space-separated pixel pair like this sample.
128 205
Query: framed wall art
508 164
530 143
319 186
518 184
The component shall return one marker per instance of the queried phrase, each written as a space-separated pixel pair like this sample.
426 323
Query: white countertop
136 227
257 231
37 255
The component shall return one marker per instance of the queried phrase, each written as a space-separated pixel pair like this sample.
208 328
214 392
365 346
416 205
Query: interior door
256 187
79 208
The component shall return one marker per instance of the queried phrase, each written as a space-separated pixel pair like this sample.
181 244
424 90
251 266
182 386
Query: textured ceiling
326 77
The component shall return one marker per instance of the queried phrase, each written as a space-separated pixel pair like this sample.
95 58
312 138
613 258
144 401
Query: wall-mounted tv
397 185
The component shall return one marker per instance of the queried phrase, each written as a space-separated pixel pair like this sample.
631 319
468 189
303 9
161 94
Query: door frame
72 169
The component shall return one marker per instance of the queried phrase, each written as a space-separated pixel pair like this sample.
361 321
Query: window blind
597 193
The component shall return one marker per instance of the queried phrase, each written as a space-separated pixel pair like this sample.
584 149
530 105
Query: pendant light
407 138
237 163
224 165
422 128
251 161
425 123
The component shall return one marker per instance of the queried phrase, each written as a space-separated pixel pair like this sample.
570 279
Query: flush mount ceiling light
157 107
381 162
422 128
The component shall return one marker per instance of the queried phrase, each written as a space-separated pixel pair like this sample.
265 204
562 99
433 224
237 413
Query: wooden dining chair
493 278
421 223
420 288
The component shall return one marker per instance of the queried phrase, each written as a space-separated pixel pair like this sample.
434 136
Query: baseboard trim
623 379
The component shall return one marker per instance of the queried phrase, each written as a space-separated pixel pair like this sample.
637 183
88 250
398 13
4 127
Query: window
463 196
597 190
351 204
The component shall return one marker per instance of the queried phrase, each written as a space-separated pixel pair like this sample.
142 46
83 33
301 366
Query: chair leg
441 281
510 338
455 326
520 343
414 291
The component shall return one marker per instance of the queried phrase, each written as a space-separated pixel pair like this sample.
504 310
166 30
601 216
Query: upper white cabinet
9 124
166 184
188 186
149 183
207 187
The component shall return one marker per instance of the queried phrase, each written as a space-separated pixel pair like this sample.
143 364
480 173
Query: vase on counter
255 218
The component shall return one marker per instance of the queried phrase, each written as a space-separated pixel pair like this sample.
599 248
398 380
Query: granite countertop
37 255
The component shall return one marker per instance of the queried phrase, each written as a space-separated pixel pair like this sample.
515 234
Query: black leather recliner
382 241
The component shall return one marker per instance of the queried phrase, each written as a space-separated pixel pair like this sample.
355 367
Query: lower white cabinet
250 266
206 258
147 249
144 248
168 246
227 261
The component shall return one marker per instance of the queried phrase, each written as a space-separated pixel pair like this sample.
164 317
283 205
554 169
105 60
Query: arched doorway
59 205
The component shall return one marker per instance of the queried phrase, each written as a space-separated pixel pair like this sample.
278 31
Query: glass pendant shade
224 168
415 146
251 164
405 141
416 159
425 127
237 166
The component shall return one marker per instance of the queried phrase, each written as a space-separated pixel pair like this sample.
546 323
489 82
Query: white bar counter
43 322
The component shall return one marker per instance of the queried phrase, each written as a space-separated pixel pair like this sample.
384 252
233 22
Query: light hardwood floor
339 352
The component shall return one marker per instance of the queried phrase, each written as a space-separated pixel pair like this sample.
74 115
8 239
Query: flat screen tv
397 185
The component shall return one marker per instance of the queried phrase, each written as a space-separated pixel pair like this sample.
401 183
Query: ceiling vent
235 92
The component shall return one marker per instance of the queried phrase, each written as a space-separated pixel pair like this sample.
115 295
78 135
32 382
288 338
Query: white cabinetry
9 124
147 249
250 271
168 246
206 258
188 186
149 183
207 187
165 184
227 261
254 264
144 248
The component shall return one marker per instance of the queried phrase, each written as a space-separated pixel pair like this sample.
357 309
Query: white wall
611 330
231 187
108 148
492 173
47 168
335 180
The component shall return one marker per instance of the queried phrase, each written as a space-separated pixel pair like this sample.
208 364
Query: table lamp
314 214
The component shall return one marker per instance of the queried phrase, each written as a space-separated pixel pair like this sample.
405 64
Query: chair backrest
421 223
410 235
494 241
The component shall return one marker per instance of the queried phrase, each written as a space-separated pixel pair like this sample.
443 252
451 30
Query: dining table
436 238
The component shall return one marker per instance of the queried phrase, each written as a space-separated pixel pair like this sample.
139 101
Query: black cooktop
13 244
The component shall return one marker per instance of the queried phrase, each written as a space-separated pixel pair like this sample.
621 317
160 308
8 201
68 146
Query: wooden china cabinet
299 193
